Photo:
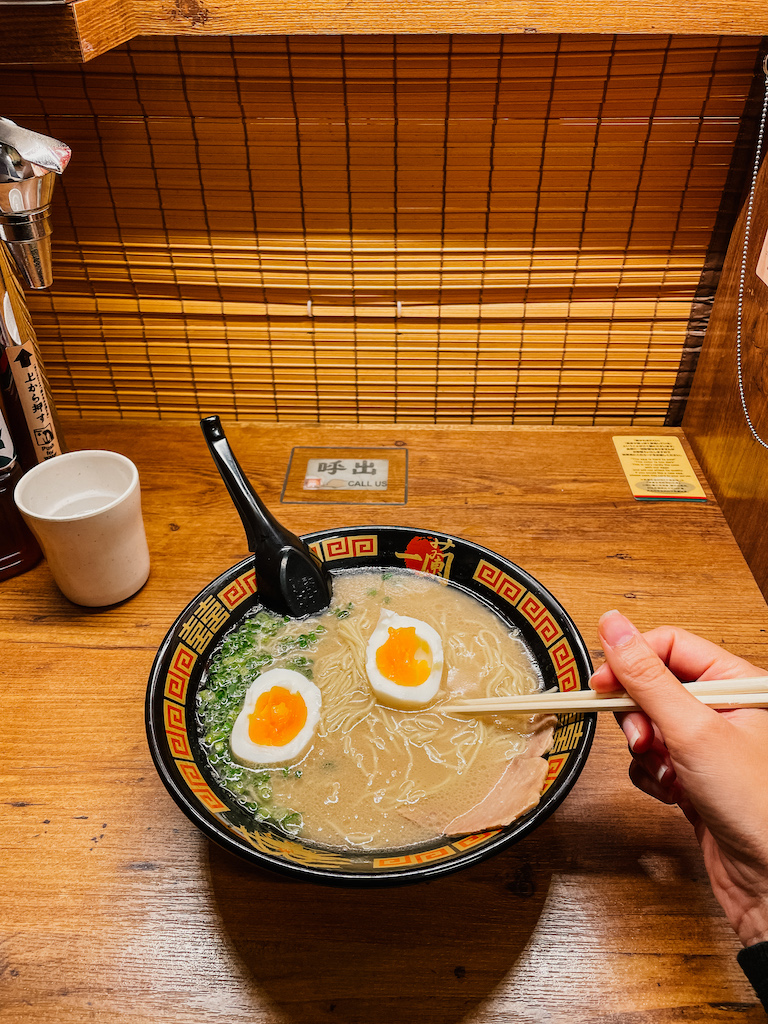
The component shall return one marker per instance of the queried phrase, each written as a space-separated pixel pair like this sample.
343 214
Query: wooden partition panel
445 229
734 461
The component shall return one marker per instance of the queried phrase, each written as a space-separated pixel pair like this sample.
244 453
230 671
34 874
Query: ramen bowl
180 667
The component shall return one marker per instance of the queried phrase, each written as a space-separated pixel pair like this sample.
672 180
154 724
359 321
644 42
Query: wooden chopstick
750 692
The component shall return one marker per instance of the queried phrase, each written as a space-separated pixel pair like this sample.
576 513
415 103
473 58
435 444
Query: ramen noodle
378 777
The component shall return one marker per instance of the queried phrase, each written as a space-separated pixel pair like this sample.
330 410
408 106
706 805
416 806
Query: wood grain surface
84 29
113 907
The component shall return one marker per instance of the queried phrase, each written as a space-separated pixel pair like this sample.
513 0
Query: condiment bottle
18 548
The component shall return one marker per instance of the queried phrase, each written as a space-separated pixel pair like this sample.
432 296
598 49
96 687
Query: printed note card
657 469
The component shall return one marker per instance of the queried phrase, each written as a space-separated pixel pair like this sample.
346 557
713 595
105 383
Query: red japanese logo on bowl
428 554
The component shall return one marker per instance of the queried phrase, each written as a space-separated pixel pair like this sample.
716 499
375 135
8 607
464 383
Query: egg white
254 754
390 693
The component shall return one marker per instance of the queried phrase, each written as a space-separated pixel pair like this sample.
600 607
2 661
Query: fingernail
616 629
599 672
665 775
631 732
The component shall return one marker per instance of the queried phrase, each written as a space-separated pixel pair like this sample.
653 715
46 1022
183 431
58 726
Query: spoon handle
257 521
289 579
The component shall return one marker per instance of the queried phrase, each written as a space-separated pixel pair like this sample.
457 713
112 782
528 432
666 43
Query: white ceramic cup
84 508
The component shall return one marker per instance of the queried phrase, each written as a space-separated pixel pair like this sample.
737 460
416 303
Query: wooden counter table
115 908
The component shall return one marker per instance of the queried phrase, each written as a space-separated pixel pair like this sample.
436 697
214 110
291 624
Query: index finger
646 678
692 657
689 657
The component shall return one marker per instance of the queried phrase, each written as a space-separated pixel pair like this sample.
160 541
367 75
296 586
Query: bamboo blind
452 229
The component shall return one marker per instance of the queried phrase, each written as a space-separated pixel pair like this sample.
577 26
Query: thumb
649 682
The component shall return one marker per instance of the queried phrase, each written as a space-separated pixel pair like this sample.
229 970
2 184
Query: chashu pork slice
540 738
517 789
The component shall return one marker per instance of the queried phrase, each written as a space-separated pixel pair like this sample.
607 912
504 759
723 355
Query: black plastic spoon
289 579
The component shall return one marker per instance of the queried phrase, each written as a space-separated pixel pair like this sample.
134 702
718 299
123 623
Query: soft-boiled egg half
404 662
278 720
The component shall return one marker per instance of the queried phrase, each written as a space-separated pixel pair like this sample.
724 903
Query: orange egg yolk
277 718
404 658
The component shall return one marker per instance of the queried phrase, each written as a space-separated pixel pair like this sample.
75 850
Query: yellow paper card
657 469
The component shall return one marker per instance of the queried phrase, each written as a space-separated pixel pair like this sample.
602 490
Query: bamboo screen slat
467 229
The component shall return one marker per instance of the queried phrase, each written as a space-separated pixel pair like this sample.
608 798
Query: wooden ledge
77 32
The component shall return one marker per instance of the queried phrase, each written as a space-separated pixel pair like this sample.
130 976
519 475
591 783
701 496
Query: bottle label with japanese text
37 412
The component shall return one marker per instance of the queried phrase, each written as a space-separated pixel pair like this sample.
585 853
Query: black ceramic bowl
181 661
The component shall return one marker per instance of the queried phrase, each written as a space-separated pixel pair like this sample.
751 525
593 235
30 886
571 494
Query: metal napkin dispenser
29 163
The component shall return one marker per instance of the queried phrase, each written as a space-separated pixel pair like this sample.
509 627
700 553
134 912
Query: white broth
371 766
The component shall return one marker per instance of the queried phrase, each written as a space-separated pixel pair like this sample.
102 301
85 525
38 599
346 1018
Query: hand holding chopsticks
712 765
715 693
